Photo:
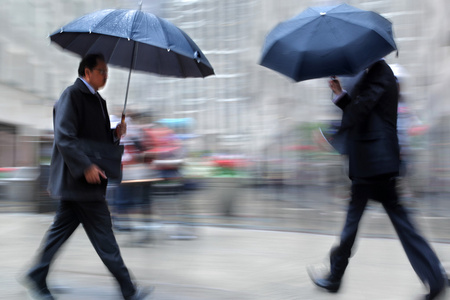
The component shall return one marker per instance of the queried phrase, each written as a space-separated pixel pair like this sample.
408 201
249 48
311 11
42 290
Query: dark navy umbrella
327 41
135 40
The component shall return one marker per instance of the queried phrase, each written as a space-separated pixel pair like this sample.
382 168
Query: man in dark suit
368 135
80 115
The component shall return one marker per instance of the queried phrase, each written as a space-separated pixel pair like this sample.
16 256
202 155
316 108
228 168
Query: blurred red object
152 143
418 130
230 163
160 139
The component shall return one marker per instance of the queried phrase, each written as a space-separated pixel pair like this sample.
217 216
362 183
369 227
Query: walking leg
64 224
96 219
340 254
421 256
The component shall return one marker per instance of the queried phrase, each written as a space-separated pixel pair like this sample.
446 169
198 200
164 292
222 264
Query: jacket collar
82 86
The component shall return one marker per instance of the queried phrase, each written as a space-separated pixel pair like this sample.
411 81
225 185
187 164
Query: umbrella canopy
327 41
137 40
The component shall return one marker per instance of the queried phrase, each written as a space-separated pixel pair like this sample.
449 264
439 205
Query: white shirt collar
91 89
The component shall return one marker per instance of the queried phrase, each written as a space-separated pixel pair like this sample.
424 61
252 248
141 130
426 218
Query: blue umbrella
135 40
327 41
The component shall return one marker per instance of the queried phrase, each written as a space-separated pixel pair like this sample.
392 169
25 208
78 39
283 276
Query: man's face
98 75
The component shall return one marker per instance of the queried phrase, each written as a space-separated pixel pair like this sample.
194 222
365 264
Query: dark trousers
422 258
96 220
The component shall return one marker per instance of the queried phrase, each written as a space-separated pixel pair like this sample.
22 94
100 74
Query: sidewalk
222 263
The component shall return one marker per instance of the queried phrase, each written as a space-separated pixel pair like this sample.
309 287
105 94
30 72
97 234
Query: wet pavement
230 242
221 262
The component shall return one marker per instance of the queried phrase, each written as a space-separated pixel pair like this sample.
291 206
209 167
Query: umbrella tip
323 13
61 31
197 56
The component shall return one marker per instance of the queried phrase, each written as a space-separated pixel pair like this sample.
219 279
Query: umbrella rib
93 28
160 58
337 37
356 22
165 33
136 12
114 49
293 29
183 71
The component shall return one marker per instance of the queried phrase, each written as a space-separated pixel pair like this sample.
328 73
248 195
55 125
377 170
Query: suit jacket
78 116
369 124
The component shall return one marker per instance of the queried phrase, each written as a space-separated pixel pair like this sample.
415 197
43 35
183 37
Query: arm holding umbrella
121 129
335 86
367 97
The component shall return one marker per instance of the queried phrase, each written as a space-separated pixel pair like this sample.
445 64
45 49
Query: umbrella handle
135 46
123 118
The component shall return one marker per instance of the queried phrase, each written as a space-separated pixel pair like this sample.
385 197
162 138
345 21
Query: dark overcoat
78 116
368 131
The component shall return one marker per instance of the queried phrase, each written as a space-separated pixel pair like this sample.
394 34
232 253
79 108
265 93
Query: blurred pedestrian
133 194
406 120
368 135
81 114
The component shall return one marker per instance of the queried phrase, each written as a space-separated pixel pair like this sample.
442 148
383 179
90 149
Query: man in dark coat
368 135
80 116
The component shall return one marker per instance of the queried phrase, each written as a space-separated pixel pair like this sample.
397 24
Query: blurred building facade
244 107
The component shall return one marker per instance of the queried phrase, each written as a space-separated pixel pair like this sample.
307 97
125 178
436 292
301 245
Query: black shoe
322 277
330 283
34 290
141 293
438 294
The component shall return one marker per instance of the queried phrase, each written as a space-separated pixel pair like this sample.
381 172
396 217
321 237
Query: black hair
90 61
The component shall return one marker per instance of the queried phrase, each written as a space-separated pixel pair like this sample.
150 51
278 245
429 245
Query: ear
87 73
